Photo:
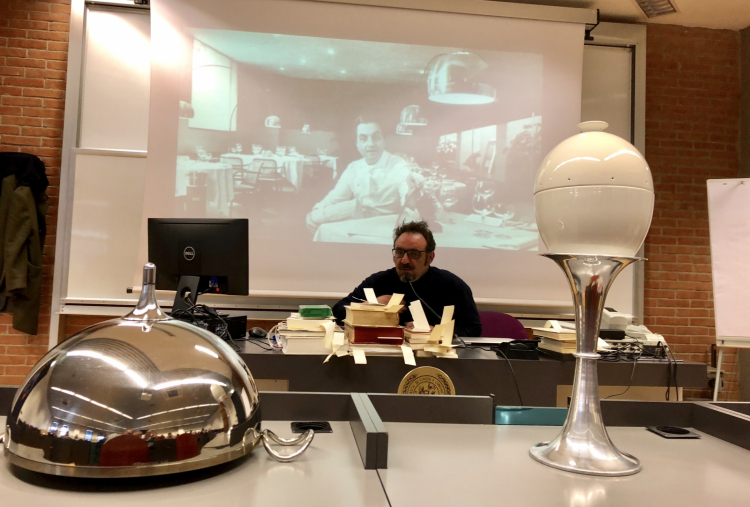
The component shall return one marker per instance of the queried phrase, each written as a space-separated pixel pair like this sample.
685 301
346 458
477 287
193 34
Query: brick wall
33 61
692 134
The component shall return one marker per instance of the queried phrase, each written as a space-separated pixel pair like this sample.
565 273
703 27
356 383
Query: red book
380 335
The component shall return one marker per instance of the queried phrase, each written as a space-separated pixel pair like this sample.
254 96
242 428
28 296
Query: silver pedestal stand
584 446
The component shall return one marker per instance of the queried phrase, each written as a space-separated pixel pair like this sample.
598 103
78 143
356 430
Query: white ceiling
346 60
727 14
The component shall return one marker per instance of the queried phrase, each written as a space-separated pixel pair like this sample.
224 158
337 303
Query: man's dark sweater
438 288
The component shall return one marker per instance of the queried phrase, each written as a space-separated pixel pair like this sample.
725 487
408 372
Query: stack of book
303 336
374 329
556 339
417 340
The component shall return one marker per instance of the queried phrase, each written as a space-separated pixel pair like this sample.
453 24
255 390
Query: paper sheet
447 314
338 339
408 355
448 333
328 340
371 297
420 319
437 334
395 300
359 356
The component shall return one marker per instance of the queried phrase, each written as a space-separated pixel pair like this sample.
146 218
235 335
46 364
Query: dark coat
23 206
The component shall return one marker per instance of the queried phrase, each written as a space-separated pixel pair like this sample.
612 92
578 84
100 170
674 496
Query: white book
303 346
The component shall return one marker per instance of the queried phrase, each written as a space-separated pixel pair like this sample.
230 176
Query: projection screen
327 124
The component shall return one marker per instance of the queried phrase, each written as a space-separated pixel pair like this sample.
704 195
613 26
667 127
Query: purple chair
502 325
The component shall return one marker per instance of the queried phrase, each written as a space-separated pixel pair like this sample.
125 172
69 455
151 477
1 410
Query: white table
472 465
219 184
457 232
330 473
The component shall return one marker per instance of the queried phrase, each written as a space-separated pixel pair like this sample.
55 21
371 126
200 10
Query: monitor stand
187 285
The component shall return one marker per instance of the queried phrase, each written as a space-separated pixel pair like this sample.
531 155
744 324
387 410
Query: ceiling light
140 381
206 351
452 80
331 51
187 381
653 8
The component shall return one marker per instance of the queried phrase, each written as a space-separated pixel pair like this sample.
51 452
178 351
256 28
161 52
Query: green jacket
21 254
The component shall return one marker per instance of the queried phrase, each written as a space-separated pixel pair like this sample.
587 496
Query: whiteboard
116 75
103 256
729 227
106 224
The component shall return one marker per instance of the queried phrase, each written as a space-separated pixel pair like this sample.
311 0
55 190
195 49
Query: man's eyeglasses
398 253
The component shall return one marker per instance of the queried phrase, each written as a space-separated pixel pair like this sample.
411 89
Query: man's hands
311 225
410 325
383 300
387 297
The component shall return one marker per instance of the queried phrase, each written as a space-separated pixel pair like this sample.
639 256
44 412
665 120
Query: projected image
339 140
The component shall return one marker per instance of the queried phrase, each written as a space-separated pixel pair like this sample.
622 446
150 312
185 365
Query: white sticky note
448 333
338 339
359 356
395 300
553 324
447 314
328 340
408 355
418 316
437 334
371 297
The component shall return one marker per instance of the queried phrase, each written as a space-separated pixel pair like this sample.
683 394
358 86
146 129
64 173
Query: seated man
377 184
413 253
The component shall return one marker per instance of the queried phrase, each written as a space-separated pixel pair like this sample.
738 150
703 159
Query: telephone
643 335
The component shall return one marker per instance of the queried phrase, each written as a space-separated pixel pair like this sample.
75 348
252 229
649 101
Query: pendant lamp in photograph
454 79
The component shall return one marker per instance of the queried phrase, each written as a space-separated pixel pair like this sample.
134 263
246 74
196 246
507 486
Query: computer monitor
199 255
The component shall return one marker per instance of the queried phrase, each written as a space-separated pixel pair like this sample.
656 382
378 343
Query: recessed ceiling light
303 61
343 71
653 8
331 51
281 68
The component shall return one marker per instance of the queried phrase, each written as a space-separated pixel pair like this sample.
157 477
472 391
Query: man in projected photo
377 184
413 254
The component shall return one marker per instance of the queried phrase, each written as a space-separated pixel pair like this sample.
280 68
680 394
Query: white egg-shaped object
594 194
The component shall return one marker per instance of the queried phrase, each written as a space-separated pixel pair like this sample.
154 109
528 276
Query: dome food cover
140 395
594 194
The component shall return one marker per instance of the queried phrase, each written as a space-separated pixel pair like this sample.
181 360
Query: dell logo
189 253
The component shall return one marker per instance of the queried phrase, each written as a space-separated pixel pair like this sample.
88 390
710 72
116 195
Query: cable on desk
497 350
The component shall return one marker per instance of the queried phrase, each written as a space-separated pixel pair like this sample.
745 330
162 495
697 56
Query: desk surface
329 473
490 465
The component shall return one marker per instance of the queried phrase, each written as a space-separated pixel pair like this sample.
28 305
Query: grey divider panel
365 432
382 433
6 398
434 409
646 413
720 422
295 406
727 425
742 408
